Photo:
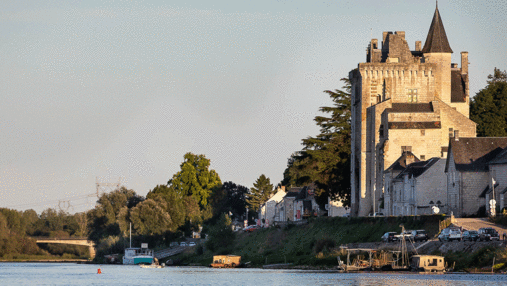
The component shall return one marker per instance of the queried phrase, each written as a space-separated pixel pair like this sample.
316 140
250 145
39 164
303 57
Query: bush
324 245
220 234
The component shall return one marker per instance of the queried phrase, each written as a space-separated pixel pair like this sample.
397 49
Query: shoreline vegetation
316 245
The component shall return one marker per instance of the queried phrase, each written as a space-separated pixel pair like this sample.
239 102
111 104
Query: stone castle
405 104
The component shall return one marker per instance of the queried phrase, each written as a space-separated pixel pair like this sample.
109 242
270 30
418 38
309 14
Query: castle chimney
456 135
417 46
464 62
374 44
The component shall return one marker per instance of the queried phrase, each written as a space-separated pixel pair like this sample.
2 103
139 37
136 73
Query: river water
86 274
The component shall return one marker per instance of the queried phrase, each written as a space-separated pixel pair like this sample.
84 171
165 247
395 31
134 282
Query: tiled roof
474 154
436 41
457 87
415 125
401 162
418 168
487 190
500 158
410 107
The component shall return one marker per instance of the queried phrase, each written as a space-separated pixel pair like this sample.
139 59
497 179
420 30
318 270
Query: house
472 165
267 210
336 208
385 202
305 204
498 169
418 188
285 208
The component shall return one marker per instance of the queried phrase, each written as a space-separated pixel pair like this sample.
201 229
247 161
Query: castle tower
437 50
403 101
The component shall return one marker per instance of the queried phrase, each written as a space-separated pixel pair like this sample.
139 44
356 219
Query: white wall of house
336 208
499 173
431 186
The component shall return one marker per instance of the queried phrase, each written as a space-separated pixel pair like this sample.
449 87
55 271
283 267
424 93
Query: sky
119 91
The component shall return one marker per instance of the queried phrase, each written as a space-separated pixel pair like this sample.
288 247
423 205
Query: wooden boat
226 261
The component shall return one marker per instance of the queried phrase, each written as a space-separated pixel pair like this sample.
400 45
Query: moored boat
226 261
135 255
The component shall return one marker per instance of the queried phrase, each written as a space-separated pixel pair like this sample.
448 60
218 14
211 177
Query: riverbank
316 245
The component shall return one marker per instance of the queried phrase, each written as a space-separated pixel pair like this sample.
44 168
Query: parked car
183 244
174 244
450 234
488 234
192 243
250 228
389 236
420 235
376 215
471 235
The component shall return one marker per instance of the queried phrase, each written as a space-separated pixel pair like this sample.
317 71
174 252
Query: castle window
411 95
423 157
423 132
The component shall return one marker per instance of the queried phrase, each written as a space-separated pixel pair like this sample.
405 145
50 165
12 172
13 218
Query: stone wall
472 185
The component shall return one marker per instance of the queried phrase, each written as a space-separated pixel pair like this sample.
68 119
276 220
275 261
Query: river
86 274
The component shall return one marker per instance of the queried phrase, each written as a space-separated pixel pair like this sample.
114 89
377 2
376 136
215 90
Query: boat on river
226 261
136 255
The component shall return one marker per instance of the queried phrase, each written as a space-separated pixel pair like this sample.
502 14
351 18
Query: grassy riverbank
315 243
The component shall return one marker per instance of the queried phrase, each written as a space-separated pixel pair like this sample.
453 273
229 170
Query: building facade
404 101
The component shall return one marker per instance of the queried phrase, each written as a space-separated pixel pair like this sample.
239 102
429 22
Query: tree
195 178
220 234
105 217
174 206
229 198
325 158
260 193
489 106
150 218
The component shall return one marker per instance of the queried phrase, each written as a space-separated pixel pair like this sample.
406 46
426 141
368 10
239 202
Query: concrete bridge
69 240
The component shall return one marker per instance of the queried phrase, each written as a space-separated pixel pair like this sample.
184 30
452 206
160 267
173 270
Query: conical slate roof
437 42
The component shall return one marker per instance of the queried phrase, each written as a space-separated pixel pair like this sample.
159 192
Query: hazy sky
115 89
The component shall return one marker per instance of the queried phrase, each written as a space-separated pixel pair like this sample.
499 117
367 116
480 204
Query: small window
423 132
411 95
423 157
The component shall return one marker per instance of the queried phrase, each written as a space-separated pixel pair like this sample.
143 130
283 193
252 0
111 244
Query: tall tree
174 206
150 218
325 158
230 198
489 106
195 178
109 212
260 193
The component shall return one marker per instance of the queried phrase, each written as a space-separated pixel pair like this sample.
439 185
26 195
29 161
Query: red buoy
99 272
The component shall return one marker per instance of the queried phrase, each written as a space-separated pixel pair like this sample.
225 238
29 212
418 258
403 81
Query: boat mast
130 235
